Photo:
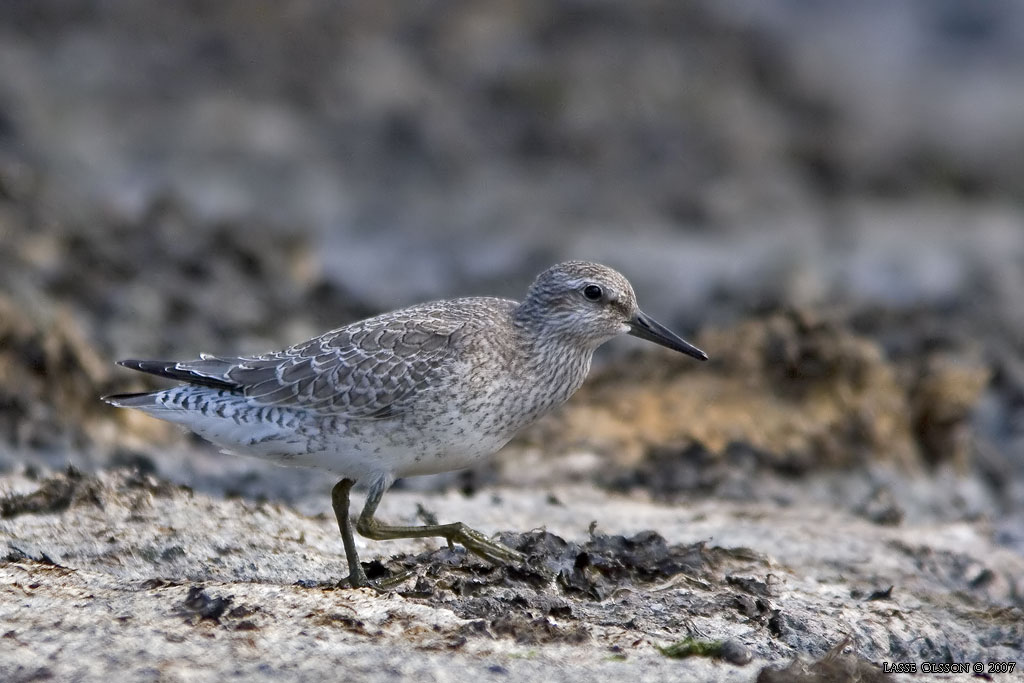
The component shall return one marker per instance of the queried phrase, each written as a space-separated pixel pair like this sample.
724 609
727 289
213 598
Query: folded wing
369 370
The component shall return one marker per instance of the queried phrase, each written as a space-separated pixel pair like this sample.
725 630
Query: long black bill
650 329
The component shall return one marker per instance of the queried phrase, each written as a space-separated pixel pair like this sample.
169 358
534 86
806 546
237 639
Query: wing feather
370 369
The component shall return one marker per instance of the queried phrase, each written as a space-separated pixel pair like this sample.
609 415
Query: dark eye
593 292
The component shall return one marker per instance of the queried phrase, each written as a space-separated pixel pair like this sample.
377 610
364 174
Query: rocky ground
171 584
827 200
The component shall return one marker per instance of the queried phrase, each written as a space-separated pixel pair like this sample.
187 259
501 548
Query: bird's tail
146 399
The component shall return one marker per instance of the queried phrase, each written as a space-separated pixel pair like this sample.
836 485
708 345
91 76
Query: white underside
364 450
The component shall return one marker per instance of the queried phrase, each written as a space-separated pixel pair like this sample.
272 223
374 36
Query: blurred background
828 195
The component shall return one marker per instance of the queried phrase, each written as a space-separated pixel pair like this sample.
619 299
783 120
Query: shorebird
430 388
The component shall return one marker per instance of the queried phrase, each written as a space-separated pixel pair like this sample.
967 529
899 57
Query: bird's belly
361 449
445 456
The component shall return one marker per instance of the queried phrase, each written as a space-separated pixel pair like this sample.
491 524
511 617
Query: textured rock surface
125 575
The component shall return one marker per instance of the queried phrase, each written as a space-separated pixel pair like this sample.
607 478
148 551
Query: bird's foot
381 585
479 544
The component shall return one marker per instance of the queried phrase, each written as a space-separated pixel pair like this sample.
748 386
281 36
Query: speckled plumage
424 389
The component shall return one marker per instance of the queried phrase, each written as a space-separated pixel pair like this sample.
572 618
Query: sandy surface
102 588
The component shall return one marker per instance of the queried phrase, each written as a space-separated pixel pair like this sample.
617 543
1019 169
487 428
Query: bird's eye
593 292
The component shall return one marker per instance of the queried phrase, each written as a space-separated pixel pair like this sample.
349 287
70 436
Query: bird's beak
645 327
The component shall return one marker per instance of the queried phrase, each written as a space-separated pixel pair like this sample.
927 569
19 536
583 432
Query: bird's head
589 304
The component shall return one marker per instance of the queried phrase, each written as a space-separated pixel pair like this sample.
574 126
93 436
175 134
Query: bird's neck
553 366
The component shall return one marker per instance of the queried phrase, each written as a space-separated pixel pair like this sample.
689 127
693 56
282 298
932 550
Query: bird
431 388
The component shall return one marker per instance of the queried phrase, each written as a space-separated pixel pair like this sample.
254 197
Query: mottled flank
425 389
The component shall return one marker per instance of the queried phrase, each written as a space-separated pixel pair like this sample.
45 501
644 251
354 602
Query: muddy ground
827 200
161 581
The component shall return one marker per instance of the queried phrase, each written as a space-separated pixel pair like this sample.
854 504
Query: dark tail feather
173 370
129 400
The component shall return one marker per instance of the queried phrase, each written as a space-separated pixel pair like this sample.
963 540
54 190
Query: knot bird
430 388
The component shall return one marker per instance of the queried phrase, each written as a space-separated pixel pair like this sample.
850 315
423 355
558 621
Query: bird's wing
369 369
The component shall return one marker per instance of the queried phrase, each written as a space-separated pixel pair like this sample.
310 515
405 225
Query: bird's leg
456 532
339 499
